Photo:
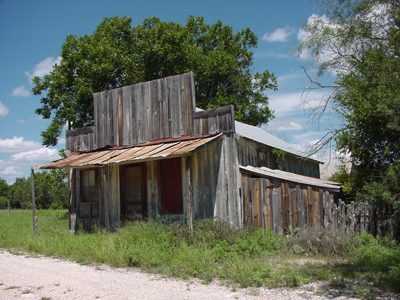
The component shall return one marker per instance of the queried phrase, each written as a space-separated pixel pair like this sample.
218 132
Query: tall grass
214 250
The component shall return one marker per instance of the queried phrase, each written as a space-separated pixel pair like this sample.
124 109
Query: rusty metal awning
291 177
115 156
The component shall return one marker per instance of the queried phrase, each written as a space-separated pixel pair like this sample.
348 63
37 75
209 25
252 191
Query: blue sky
32 33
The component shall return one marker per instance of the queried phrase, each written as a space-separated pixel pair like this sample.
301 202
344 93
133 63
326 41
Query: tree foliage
360 42
117 54
51 191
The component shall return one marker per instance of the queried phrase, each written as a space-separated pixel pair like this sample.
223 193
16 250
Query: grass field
356 266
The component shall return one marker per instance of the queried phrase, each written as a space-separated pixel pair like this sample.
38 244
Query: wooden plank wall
152 110
81 139
251 153
277 206
216 182
154 204
254 154
213 121
105 212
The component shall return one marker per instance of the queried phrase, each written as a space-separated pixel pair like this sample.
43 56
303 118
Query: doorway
133 192
171 186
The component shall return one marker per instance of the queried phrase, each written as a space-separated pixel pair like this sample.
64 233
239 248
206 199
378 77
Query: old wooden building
151 154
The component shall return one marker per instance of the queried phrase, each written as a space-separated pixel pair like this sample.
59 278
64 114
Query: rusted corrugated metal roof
287 176
143 152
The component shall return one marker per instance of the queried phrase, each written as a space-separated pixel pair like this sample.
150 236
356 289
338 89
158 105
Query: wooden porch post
106 195
34 217
189 211
71 201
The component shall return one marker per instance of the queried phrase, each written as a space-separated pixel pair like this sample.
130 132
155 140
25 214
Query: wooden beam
34 217
106 196
190 193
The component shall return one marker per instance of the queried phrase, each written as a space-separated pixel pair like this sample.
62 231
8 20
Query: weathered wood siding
251 153
216 182
81 139
87 214
154 204
105 211
213 121
278 206
135 114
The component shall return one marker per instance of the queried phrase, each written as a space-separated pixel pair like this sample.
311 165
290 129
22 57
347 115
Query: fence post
34 217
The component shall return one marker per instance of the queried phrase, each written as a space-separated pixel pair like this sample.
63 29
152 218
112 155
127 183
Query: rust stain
148 151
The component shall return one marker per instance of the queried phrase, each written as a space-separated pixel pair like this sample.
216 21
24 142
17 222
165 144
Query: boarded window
171 185
88 185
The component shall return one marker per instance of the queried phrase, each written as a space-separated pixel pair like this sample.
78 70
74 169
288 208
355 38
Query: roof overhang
291 177
153 150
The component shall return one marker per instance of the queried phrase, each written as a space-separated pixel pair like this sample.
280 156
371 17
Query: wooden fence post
34 217
190 194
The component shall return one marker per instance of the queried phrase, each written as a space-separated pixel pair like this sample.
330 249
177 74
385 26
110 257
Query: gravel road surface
26 277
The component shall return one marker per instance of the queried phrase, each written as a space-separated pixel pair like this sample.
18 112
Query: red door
171 186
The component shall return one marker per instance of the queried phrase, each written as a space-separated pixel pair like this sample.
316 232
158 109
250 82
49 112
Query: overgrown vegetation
242 258
359 40
51 189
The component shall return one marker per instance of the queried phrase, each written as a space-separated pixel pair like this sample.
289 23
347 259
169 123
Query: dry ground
27 277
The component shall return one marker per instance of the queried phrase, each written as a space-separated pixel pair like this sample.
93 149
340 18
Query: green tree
360 42
118 54
3 187
20 194
4 200
51 189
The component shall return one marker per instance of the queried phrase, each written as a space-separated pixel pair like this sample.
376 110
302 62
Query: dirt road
23 277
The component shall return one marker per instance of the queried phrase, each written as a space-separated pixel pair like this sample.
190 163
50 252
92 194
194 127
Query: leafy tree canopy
117 54
360 42
3 187
51 191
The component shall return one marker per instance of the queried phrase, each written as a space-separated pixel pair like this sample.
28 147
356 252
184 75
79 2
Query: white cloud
285 102
325 53
305 146
303 35
333 162
44 67
278 35
9 171
18 164
290 77
330 51
3 110
17 144
306 135
289 102
20 91
38 155
269 54
305 54
289 126
61 141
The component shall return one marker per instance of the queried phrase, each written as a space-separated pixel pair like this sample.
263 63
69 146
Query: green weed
245 258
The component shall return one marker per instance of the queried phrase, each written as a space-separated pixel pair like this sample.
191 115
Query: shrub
376 254
223 237
321 241
3 202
